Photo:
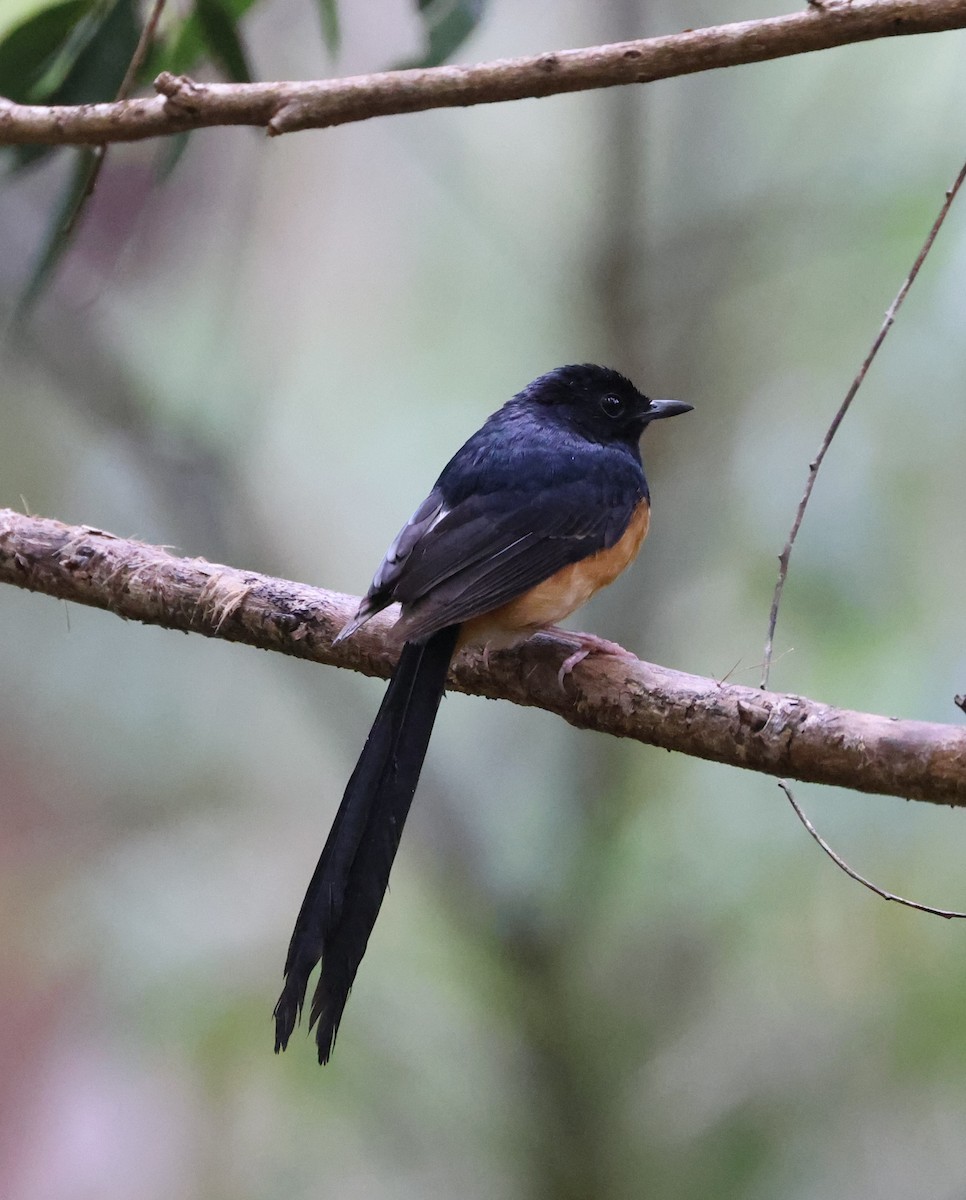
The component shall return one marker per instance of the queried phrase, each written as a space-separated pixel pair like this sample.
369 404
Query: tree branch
763 731
184 104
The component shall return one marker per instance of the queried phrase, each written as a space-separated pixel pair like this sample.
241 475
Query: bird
544 505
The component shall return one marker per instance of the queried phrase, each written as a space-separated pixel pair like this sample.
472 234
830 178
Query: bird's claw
587 644
569 663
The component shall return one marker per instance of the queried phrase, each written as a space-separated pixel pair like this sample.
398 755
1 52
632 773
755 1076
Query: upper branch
184 104
763 731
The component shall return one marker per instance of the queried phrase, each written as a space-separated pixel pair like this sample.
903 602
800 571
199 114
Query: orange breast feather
561 594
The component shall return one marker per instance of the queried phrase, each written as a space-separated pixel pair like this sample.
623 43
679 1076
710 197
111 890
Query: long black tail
343 899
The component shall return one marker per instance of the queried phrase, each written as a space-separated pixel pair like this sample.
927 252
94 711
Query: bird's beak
666 408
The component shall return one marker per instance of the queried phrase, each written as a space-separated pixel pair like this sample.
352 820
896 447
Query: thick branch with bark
183 104
775 734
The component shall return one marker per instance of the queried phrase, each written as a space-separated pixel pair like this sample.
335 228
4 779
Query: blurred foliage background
602 970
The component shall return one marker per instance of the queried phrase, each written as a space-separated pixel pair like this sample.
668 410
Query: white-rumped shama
543 506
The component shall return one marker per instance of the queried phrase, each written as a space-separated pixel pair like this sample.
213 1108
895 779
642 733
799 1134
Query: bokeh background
602 970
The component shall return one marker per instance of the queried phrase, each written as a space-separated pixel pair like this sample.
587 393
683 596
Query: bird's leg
584 644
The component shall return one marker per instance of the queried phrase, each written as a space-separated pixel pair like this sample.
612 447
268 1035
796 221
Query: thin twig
141 50
840 862
830 433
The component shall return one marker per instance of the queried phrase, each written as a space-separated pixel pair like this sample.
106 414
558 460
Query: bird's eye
612 406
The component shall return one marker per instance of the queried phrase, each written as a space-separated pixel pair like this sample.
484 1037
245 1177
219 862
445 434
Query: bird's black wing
491 548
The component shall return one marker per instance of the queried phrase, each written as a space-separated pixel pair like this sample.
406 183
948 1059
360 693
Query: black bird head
599 402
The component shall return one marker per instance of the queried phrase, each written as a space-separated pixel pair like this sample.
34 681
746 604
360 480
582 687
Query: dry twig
815 464
840 862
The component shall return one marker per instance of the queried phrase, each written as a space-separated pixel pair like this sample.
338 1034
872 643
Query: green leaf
108 37
331 30
187 45
58 233
96 74
168 156
29 52
101 66
447 24
220 32
88 67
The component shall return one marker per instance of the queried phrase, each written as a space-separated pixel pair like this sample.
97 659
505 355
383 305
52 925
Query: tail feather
346 890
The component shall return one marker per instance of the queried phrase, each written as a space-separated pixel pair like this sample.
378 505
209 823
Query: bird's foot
585 644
